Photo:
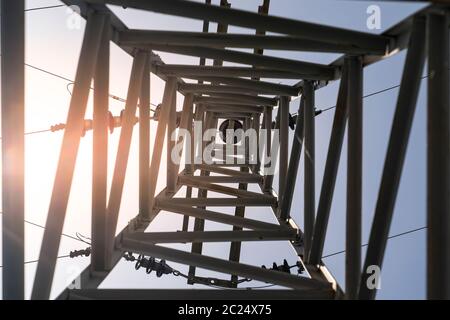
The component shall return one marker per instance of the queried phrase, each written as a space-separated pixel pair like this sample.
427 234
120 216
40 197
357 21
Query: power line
71 82
370 94
366 244
48 72
43 8
37 131
42 227
34 132
34 261
58 257
110 95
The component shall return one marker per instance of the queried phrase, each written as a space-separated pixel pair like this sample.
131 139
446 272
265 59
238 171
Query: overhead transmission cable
43 227
370 94
366 244
46 7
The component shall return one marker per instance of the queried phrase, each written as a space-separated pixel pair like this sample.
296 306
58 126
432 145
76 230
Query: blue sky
54 47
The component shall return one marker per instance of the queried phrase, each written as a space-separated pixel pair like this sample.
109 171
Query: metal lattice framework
235 93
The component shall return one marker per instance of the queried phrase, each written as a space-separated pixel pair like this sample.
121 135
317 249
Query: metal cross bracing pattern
230 93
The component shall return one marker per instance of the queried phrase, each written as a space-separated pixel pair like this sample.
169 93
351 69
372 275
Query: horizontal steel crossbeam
219 202
224 266
222 40
189 71
247 19
233 108
211 236
228 179
269 87
210 88
185 180
311 70
197 294
225 171
241 98
218 217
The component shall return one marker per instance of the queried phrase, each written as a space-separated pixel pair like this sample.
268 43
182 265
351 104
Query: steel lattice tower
236 94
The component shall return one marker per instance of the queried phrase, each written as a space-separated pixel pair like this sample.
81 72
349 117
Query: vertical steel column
235 246
268 178
262 144
67 158
99 232
144 141
268 128
205 28
222 28
291 176
199 224
309 136
171 127
209 118
189 166
13 117
186 117
199 118
438 159
256 124
66 164
330 173
284 144
246 140
169 92
354 177
398 141
123 150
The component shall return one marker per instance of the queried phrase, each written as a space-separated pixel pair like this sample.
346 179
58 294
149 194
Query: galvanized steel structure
232 93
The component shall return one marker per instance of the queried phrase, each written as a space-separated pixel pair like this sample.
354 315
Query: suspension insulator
157 112
110 122
150 264
78 253
57 127
113 122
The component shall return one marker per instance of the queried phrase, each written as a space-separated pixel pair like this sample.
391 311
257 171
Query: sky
52 46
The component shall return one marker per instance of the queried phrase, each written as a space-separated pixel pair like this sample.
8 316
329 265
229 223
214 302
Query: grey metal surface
398 141
189 71
13 164
99 228
144 142
234 98
225 266
252 20
309 151
291 176
211 236
123 150
438 158
330 173
66 163
198 294
149 37
354 177
308 69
